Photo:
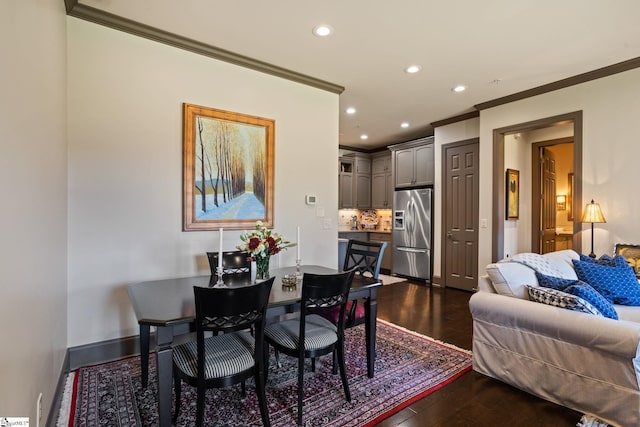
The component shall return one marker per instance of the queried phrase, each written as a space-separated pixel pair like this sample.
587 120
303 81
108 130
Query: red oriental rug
409 366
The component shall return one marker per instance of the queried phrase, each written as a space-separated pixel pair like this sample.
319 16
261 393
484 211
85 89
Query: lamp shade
592 213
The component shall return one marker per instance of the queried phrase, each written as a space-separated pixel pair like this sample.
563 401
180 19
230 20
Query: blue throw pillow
589 294
617 284
616 261
561 299
553 282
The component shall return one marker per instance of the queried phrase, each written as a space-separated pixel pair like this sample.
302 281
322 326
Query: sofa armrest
616 337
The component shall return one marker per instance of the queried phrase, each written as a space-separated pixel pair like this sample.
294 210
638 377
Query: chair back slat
232 262
365 257
220 309
321 291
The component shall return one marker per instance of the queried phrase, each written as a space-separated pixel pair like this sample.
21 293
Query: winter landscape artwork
228 167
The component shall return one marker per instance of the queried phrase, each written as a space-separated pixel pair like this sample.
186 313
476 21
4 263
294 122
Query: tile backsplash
345 221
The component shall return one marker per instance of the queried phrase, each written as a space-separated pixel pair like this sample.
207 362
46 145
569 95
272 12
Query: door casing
498 207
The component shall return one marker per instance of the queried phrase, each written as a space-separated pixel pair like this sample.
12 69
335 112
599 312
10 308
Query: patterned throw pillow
579 289
616 261
593 297
561 299
616 284
553 282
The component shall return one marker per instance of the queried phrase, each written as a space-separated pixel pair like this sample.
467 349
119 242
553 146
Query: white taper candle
220 251
298 242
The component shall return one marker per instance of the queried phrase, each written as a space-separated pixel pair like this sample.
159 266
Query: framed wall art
513 194
227 169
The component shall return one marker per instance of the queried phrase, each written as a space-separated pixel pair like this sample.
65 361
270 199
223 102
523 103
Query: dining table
168 305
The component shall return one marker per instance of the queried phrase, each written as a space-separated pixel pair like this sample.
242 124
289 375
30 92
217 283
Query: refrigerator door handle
412 250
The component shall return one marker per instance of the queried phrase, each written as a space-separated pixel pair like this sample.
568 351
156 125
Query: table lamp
592 213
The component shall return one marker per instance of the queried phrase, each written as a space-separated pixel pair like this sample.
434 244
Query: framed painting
631 254
513 194
227 169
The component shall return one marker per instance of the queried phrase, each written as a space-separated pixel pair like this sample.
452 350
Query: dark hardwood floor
473 399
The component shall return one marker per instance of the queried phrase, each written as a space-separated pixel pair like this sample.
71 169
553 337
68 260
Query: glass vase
262 267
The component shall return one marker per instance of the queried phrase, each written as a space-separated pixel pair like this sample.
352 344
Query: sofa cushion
511 278
617 284
561 299
553 282
579 289
593 297
606 260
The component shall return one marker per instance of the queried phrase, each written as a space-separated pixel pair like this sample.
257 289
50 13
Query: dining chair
365 258
222 360
311 335
232 262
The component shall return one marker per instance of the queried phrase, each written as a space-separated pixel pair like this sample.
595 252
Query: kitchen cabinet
381 181
360 197
413 163
345 183
386 256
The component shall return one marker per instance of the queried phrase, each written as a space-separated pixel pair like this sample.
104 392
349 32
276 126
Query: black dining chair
365 258
311 335
232 262
228 358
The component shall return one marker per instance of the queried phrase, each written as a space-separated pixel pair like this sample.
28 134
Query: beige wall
125 170
610 109
33 218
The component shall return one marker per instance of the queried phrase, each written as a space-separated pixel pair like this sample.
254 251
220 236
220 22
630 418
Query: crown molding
116 22
561 84
455 119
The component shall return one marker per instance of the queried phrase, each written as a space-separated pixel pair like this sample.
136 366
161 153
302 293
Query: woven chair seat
319 333
227 355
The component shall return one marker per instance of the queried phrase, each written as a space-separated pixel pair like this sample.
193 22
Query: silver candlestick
298 272
220 282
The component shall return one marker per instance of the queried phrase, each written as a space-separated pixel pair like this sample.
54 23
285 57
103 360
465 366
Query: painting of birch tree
228 169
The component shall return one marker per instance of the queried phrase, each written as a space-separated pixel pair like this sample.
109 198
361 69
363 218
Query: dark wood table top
170 302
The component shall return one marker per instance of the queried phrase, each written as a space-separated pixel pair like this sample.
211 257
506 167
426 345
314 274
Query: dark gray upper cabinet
413 163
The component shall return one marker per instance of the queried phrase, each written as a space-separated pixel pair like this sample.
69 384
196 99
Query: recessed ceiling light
350 110
364 136
322 30
459 88
412 69
404 125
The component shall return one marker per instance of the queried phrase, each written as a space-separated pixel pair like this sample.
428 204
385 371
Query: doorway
574 119
551 195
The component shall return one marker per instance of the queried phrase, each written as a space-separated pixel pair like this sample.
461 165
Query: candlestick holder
298 272
220 282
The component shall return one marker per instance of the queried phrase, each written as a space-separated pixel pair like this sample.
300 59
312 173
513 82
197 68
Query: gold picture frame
227 169
513 194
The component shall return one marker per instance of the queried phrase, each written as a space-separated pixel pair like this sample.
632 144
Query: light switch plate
310 199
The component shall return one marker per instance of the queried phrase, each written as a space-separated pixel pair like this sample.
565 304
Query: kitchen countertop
362 230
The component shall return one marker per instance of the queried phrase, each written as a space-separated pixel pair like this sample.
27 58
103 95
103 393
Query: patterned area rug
408 367
389 280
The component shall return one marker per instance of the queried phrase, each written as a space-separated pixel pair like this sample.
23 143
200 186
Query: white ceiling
495 47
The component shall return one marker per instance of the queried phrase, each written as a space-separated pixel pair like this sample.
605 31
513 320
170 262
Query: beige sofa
585 362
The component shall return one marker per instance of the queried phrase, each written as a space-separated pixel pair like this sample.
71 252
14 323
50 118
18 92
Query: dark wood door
460 225
548 202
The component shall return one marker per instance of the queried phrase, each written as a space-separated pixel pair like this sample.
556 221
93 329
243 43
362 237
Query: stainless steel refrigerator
412 230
